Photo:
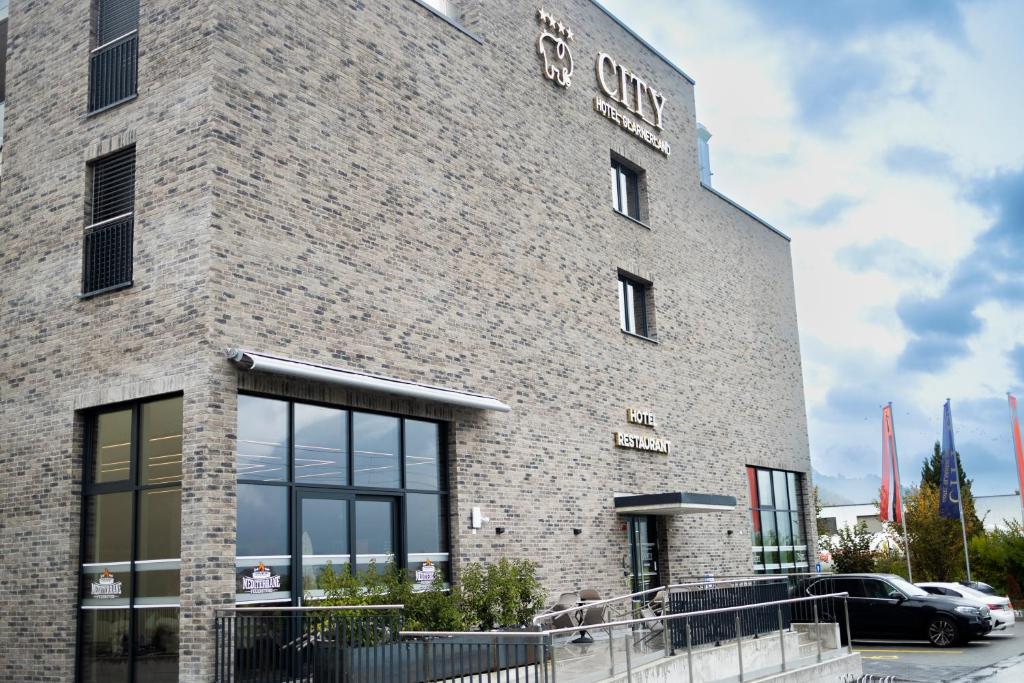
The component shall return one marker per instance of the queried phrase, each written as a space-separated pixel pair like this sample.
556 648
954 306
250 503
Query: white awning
259 362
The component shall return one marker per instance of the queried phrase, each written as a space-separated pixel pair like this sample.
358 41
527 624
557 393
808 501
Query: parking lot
988 659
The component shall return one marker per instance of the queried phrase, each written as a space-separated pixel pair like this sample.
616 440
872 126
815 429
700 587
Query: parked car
1000 607
980 586
888 607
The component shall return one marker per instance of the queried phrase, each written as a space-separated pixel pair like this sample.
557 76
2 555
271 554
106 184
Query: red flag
890 506
1015 428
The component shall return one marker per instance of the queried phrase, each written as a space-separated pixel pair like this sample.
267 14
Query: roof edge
643 42
748 212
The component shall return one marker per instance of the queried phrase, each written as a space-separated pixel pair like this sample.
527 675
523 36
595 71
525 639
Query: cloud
830 210
847 19
918 160
835 85
892 257
1016 356
991 271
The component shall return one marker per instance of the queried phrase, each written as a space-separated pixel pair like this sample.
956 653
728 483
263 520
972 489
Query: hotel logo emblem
553 46
106 587
263 580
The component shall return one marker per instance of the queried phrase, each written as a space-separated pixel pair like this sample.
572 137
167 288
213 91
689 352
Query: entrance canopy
259 362
676 503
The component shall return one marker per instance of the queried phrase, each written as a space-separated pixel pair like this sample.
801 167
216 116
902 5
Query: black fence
715 628
364 646
114 72
107 255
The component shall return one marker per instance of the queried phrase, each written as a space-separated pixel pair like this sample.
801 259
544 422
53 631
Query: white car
1001 609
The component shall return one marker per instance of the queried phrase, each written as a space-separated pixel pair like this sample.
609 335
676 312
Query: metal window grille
107 246
113 65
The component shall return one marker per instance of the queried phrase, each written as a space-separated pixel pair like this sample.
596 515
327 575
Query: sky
886 138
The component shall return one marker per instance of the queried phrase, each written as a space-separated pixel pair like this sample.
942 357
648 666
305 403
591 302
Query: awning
259 362
677 503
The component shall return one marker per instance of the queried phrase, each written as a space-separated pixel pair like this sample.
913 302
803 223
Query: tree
937 549
997 558
851 550
931 473
822 528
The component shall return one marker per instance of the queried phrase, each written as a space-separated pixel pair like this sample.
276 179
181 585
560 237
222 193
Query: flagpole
1011 403
960 494
899 485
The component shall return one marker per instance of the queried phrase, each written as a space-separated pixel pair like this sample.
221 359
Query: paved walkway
1007 671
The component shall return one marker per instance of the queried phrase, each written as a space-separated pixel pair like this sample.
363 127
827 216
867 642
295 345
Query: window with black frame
634 306
108 240
626 189
114 61
777 537
131 543
324 489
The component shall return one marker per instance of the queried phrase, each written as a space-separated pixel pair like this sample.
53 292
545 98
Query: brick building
449 341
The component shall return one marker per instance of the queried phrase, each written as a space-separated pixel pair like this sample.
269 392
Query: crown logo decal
553 46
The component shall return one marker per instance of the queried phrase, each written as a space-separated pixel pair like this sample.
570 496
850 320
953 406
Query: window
107 245
626 189
634 306
829 525
324 488
113 64
777 536
872 522
131 543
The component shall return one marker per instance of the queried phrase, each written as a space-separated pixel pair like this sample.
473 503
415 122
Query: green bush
503 594
851 550
997 558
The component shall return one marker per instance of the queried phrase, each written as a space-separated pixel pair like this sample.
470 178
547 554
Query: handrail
699 613
544 616
111 42
243 608
112 219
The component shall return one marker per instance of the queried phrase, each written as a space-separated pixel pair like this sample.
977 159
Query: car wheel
942 632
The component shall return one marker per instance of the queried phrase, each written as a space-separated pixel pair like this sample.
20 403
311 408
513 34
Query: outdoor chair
656 627
568 619
659 602
592 615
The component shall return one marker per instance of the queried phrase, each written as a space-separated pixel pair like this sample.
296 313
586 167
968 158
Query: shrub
851 550
504 594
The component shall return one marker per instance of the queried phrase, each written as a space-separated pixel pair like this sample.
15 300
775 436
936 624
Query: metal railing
306 644
114 72
107 254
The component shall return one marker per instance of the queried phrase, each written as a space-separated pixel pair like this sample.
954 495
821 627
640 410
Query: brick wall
361 184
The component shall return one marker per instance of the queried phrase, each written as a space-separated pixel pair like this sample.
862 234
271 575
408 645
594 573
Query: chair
592 615
658 603
655 627
567 619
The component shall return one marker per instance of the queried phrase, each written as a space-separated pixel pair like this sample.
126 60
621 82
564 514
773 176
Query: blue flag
949 486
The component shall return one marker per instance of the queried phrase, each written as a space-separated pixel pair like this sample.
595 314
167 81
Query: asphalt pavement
996 658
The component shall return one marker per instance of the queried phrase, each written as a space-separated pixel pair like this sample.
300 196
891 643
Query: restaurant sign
262 580
651 444
106 587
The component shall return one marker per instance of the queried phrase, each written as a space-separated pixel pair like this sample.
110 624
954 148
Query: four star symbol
555 25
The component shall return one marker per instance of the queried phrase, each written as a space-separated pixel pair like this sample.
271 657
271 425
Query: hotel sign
642 106
650 444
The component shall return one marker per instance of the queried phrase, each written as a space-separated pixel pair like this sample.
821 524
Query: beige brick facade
364 185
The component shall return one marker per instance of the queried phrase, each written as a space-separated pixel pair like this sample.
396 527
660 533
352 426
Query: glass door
337 531
643 553
375 532
324 521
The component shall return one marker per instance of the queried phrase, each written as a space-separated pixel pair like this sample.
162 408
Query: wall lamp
499 530
576 531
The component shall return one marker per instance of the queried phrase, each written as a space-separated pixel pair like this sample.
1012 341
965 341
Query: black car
887 607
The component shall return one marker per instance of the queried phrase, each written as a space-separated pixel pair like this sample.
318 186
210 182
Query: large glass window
131 543
324 487
775 509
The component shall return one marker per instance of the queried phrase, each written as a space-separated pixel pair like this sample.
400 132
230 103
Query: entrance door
337 531
324 528
643 553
